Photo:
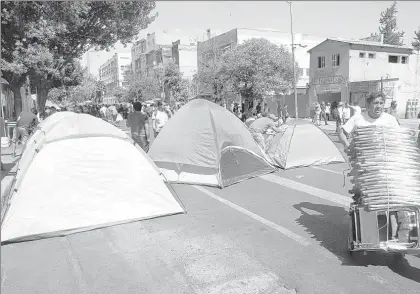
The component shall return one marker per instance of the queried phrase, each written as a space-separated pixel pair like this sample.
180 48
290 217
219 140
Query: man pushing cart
385 164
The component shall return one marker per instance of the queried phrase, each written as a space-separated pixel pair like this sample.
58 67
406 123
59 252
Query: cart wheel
350 246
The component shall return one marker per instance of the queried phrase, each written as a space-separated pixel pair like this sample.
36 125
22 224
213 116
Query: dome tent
84 174
302 145
203 143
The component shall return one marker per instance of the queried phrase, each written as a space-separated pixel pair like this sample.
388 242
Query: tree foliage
85 90
40 39
416 42
143 88
388 27
208 75
119 93
257 68
173 82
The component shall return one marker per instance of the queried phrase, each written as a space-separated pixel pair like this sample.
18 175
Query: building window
392 59
336 60
362 54
404 59
371 55
321 61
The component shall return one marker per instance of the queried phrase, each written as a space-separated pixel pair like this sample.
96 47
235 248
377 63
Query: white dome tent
81 173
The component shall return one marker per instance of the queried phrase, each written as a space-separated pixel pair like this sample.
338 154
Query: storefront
360 90
328 89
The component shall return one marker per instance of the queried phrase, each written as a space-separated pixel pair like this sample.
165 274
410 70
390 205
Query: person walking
26 121
284 114
339 114
161 118
393 110
328 111
138 123
323 112
317 114
356 108
346 113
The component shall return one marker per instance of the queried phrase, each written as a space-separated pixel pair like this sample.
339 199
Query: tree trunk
43 87
248 100
17 97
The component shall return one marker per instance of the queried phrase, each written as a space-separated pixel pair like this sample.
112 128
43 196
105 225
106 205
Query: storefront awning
371 85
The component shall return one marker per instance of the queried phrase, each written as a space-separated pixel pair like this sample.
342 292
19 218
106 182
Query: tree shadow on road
330 226
7 167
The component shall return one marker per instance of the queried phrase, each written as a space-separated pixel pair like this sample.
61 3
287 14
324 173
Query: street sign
329 80
331 88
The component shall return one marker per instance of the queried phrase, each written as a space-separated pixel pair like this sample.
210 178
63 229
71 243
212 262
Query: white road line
320 193
328 170
301 240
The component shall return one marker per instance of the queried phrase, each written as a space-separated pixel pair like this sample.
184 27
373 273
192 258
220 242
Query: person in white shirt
161 118
346 113
103 111
356 108
328 110
374 115
339 114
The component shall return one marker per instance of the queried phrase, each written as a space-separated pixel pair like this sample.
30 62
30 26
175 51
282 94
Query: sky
347 19
344 19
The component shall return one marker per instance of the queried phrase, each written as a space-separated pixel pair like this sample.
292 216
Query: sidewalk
10 167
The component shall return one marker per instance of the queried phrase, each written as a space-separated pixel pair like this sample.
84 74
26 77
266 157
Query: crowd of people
341 112
145 121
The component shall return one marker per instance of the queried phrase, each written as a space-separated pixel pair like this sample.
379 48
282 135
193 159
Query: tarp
82 173
203 143
302 145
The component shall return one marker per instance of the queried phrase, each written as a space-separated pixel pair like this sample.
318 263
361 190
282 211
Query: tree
207 76
388 26
44 37
144 88
416 42
17 19
119 93
257 68
128 75
57 95
100 90
172 81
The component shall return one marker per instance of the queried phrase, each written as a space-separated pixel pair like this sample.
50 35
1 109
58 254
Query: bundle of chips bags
385 167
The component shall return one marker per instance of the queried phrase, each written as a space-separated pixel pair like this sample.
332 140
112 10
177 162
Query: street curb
7 180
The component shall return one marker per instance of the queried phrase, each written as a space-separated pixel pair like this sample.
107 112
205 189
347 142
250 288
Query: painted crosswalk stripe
328 170
301 240
320 193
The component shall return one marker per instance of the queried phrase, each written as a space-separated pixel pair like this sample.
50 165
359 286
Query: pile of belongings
385 167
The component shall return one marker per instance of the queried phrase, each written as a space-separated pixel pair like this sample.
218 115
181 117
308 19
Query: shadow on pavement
7 167
330 226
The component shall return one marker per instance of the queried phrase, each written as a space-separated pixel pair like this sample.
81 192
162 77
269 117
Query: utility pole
382 85
293 57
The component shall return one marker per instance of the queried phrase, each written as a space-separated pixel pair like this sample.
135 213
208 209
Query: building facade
111 73
210 50
348 70
153 52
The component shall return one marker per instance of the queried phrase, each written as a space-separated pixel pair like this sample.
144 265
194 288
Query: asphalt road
284 232
281 233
